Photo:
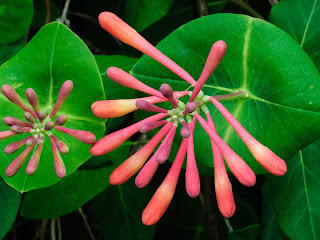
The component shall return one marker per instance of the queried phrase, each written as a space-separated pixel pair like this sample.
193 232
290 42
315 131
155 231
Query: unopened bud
33 99
10 121
185 130
13 147
62 147
30 141
41 116
148 127
28 116
149 107
49 126
61 120
40 141
190 108
64 93
166 91
18 129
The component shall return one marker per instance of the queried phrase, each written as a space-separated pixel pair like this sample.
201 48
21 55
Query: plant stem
247 8
84 218
228 224
48 11
53 229
59 228
63 19
202 7
231 96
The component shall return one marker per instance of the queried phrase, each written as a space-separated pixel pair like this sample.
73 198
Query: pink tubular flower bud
222 183
41 116
59 166
216 54
192 173
132 165
34 161
18 129
40 141
267 159
238 167
163 196
33 99
190 108
49 126
14 121
121 30
61 120
6 134
83 136
148 127
167 92
149 107
16 164
30 141
61 146
13 147
14 97
115 139
28 116
185 130
64 93
127 80
165 150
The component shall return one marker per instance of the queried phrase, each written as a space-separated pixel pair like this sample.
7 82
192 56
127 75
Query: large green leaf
247 233
9 50
142 13
296 195
9 206
54 55
15 19
118 210
283 107
300 19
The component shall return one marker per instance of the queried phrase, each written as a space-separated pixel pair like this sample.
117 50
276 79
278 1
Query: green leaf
54 55
119 209
282 110
296 195
9 206
142 13
9 50
15 19
300 19
247 233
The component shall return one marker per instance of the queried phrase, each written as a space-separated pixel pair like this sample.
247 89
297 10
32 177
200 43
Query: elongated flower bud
6 134
192 173
30 141
83 136
132 165
222 183
58 163
216 54
40 141
34 161
190 108
28 116
61 146
167 92
163 196
33 99
18 129
14 121
16 164
14 97
185 130
64 93
268 160
149 107
148 127
115 139
238 167
61 120
13 147
49 126
165 150
127 80
121 30
41 116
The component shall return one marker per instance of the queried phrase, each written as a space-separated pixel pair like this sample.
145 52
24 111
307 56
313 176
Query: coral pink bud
83 136
14 97
216 54
6 134
13 147
28 116
115 139
190 108
238 167
121 30
30 141
16 164
185 130
148 127
61 120
267 159
132 165
34 161
40 141
127 80
64 93
165 150
222 184
61 146
18 129
149 107
33 99
167 92
14 121
41 116
58 164
163 196
192 173
49 126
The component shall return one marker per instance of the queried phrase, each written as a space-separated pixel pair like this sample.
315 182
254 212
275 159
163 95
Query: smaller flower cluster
40 126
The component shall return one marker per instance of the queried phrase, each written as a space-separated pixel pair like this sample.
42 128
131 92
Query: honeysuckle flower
180 114
40 125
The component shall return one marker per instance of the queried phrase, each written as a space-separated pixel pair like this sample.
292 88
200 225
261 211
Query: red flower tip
18 129
149 107
34 161
83 136
58 163
167 92
41 116
28 116
61 120
64 93
6 134
165 150
14 121
185 130
33 99
148 127
13 147
49 126
61 146
190 108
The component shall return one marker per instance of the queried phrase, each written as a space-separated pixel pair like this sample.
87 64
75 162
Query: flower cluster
181 113
40 126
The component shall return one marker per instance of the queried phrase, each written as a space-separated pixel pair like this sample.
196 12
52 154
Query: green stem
231 96
247 8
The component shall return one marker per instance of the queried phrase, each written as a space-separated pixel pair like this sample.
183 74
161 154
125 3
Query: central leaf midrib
308 22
